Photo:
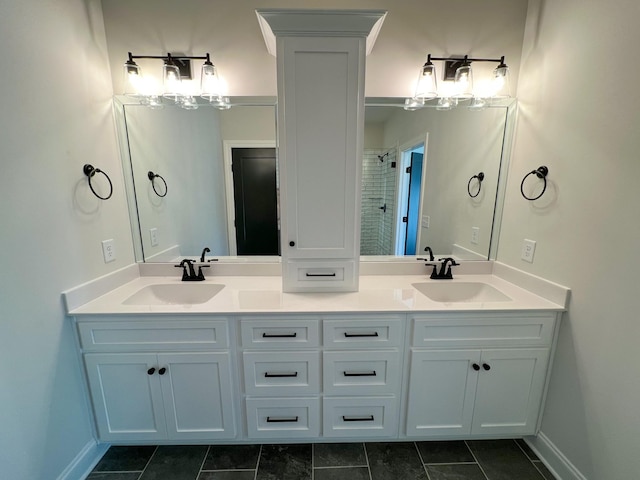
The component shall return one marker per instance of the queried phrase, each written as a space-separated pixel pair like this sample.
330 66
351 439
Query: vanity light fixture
460 71
175 68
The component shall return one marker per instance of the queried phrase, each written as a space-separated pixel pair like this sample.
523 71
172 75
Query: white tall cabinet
320 65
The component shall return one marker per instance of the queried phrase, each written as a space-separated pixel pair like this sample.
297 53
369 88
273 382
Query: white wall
56 116
229 32
579 115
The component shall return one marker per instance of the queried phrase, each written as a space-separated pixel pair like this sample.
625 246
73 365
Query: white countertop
263 294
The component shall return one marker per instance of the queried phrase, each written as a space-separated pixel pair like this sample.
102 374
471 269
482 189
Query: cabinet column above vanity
321 67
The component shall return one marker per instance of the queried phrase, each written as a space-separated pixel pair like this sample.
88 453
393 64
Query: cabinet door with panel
126 395
148 396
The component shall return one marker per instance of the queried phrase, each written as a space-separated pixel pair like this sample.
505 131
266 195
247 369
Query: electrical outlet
108 251
528 249
153 233
475 235
426 220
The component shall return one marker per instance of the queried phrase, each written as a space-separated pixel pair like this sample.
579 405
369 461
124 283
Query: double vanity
233 359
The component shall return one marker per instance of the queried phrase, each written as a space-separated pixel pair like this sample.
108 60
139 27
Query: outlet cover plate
108 250
475 235
528 250
153 234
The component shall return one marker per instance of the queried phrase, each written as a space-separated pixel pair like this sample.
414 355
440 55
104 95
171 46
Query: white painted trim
227 147
557 463
82 465
340 23
167 255
84 293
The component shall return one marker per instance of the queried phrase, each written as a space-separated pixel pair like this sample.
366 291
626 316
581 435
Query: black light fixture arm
466 59
168 56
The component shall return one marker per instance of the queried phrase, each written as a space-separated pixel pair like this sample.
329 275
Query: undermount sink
174 294
447 291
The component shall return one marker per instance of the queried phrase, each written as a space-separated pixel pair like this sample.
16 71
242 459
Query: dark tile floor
459 460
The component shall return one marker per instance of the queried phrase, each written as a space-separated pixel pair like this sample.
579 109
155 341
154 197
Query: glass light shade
411 104
464 82
221 103
210 83
152 101
500 82
171 81
132 79
427 86
446 103
478 103
189 102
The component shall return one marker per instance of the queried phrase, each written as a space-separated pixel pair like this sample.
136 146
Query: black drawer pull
320 274
279 375
358 419
360 374
279 335
282 420
354 335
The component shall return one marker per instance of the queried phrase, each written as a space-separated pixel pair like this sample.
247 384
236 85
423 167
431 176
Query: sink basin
174 294
460 292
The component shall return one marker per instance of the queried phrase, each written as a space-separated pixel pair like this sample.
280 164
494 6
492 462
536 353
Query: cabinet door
510 386
197 393
127 398
441 389
320 87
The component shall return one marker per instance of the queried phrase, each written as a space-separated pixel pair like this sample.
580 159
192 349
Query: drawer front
373 332
283 417
360 417
277 373
276 333
154 336
330 275
482 331
361 373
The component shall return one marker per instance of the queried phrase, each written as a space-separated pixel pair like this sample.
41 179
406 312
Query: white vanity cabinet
481 374
320 68
159 379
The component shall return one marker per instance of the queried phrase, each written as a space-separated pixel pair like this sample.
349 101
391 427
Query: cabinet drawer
277 333
354 416
372 332
138 336
361 373
480 331
278 373
283 417
329 275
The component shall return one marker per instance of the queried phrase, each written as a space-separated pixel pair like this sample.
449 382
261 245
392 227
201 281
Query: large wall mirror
208 178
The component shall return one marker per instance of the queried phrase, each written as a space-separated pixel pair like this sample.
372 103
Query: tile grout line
206 454
148 462
255 476
366 456
424 465
476 459
313 451
533 462
329 467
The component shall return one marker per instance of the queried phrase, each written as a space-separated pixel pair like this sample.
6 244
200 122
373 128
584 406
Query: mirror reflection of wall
193 151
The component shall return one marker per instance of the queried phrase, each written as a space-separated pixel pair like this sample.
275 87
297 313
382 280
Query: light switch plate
153 233
475 235
426 220
528 249
108 250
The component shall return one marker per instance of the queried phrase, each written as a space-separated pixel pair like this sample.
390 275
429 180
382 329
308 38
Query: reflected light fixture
461 90
175 68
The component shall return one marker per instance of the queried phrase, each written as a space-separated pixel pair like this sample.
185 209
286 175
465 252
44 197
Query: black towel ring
480 178
152 176
90 171
540 172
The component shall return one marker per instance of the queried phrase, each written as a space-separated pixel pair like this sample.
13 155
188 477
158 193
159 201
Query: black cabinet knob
162 371
486 366
292 243
151 371
476 367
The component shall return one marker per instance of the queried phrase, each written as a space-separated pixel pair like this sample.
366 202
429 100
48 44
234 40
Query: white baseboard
81 466
553 458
